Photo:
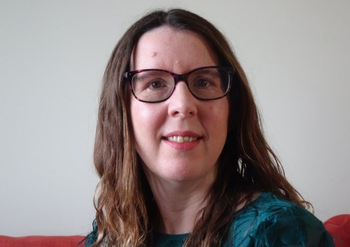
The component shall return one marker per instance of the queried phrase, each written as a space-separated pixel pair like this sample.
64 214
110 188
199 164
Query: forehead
168 48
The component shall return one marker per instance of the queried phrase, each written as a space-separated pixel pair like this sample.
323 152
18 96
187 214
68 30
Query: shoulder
271 221
92 237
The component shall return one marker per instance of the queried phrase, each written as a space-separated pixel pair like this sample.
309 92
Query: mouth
181 139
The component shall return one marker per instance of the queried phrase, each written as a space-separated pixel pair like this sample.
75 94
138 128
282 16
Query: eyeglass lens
158 85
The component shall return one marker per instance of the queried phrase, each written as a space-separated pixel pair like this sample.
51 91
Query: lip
183 134
183 145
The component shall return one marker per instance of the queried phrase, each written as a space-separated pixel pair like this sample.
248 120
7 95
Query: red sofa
338 226
41 241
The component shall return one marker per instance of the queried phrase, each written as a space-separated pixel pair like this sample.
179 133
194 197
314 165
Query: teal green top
268 221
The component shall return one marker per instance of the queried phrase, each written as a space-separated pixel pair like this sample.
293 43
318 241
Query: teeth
181 139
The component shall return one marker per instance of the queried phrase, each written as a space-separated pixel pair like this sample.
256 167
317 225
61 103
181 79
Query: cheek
146 120
134 115
137 116
220 113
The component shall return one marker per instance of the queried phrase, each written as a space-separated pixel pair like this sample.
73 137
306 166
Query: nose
182 103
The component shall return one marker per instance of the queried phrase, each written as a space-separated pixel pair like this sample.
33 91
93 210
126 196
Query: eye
156 84
202 83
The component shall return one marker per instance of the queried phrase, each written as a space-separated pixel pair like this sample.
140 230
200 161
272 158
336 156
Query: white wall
52 57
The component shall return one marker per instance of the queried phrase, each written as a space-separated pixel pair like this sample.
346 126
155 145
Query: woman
180 151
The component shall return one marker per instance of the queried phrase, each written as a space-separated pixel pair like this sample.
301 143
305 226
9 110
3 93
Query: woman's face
163 131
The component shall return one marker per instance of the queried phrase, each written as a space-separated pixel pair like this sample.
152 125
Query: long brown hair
125 211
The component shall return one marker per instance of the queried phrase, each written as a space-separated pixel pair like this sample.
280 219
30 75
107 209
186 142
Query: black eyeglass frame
180 77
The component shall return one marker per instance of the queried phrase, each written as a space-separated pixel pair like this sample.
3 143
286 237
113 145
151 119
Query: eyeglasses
157 85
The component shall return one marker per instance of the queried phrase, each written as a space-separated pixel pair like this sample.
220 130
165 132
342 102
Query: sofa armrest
339 227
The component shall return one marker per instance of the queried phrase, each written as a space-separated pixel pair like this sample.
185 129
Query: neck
180 203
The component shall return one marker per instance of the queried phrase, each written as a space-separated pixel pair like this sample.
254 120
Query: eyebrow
149 73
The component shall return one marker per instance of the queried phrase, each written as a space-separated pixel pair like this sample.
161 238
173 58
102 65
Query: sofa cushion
41 241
